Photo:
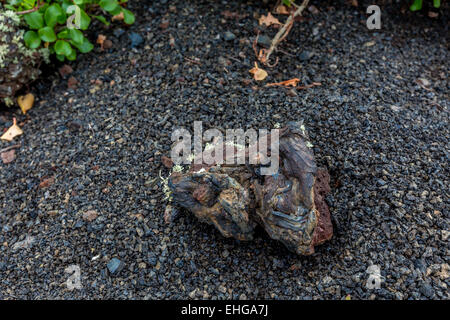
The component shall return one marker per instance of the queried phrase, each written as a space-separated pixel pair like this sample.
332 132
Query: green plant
59 24
417 5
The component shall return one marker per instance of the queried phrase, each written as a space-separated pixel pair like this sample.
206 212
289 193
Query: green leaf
47 34
60 57
65 4
34 20
28 4
102 19
287 2
436 3
76 35
78 2
85 20
64 34
417 5
109 5
31 39
52 15
128 16
63 48
116 11
85 47
14 2
72 56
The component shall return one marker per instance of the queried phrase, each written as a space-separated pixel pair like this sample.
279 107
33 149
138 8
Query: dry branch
284 31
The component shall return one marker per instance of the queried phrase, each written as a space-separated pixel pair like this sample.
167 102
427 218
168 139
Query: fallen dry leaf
258 74
46 182
12 132
100 40
164 24
424 82
233 15
72 83
8 156
269 20
65 70
291 82
118 17
314 84
26 102
282 9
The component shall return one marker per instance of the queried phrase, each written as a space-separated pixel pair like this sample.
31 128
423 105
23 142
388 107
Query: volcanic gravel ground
84 187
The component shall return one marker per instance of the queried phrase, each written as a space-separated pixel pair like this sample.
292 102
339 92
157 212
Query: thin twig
192 60
38 6
10 147
283 32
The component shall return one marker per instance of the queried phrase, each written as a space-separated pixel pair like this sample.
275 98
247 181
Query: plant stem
285 29
36 8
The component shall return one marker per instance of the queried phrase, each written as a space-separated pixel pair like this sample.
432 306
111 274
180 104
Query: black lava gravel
84 189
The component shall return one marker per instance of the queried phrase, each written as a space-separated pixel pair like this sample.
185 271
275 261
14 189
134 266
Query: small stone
78 224
395 108
306 55
24 244
115 266
90 215
118 32
264 40
222 289
152 260
427 290
229 36
225 253
171 214
8 156
167 162
192 293
135 39
362 108
72 83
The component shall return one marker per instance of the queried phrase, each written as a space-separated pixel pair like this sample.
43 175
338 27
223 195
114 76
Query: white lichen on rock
19 64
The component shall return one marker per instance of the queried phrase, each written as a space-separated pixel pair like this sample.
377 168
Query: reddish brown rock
167 162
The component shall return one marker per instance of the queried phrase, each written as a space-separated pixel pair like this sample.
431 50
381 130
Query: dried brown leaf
291 82
118 17
12 132
100 40
46 182
258 74
282 9
26 102
269 20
